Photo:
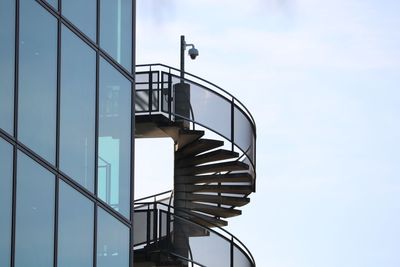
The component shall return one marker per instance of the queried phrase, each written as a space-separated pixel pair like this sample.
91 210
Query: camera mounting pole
193 53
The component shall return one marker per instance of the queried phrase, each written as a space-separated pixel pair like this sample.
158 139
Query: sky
322 79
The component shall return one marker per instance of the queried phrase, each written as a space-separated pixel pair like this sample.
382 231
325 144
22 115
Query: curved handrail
245 143
152 196
222 233
203 80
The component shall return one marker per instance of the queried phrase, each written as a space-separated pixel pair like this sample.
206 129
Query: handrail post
150 92
169 96
155 222
233 123
232 251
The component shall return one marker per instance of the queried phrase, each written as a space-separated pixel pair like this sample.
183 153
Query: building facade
66 149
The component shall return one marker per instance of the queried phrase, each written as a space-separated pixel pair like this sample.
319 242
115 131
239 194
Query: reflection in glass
77 123
37 80
82 14
112 241
7 40
35 215
114 138
6 174
75 229
116 30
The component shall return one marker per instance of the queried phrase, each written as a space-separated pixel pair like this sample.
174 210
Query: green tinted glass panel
116 30
77 118
114 138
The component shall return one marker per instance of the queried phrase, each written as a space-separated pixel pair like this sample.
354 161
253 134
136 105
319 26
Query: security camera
193 53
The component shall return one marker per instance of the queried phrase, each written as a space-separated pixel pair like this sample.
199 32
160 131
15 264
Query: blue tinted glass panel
114 138
54 3
37 80
35 215
6 174
82 14
75 229
116 30
78 95
7 41
112 241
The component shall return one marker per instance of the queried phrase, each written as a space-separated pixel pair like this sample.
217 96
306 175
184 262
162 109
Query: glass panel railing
192 99
185 240
147 92
243 133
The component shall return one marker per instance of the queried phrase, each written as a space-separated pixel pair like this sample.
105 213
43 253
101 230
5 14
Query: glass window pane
35 214
116 30
54 3
114 138
75 228
112 241
7 40
82 14
6 175
37 80
78 95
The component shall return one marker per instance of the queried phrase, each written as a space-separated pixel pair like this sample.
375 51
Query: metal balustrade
159 86
157 228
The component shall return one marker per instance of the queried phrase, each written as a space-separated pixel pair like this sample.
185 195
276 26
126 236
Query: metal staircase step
207 221
238 177
197 147
209 168
188 136
212 210
231 189
216 155
223 200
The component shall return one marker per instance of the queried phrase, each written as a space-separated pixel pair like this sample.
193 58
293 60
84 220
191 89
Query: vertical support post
233 123
182 53
232 251
155 221
15 163
169 96
150 92
148 225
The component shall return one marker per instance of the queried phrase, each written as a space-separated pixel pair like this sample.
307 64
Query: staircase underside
209 180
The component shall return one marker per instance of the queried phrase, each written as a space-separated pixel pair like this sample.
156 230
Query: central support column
180 230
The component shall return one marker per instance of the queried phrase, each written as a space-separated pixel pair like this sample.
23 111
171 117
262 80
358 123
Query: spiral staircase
214 169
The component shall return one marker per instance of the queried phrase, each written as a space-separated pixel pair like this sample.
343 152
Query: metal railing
171 234
159 90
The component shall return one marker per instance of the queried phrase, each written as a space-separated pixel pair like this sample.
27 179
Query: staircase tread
215 155
213 210
237 177
214 167
224 200
197 147
188 136
208 221
233 189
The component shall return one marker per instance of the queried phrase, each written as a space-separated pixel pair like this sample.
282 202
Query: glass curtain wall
37 80
7 56
6 181
78 109
114 138
65 113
